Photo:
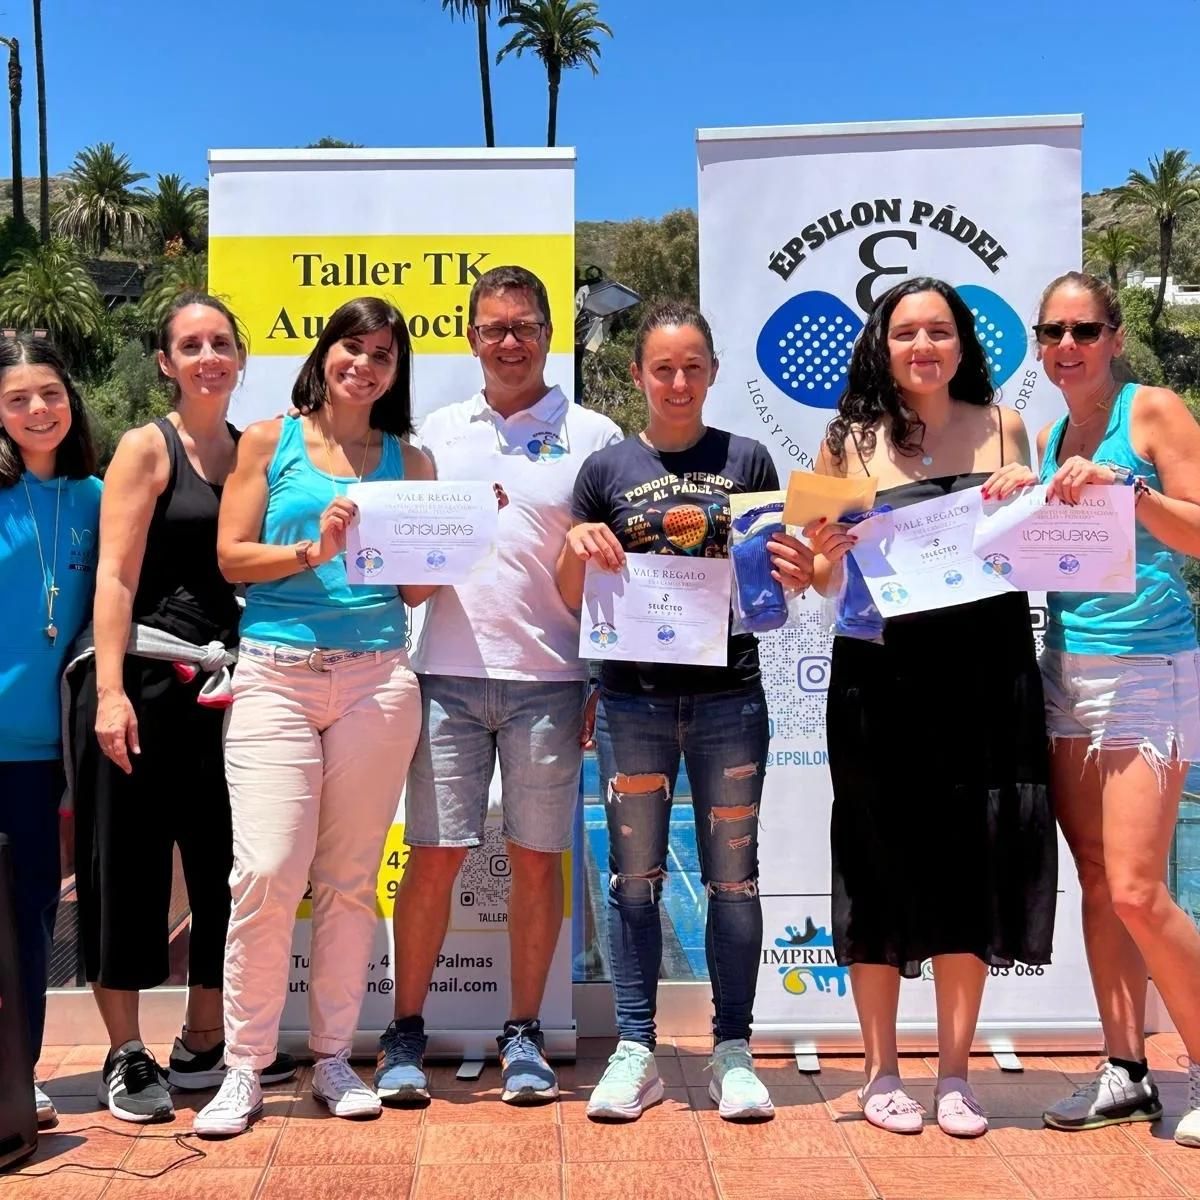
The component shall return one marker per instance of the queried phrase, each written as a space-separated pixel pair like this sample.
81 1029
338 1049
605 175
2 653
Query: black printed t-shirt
675 502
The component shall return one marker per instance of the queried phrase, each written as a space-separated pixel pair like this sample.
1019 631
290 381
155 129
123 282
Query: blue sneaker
528 1078
399 1077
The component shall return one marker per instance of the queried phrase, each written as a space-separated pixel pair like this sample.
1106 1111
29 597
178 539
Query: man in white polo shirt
500 674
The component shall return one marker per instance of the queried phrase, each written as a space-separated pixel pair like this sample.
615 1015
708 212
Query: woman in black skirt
943 838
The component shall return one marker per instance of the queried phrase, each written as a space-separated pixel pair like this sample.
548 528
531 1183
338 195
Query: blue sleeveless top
1157 617
318 607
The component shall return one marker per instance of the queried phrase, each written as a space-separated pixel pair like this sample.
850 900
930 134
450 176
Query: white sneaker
629 1085
1112 1098
738 1093
238 1102
1187 1133
46 1112
345 1095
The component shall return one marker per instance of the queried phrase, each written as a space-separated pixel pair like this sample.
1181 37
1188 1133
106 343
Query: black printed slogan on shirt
675 502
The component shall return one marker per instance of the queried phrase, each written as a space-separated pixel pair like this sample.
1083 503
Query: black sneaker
196 1070
132 1085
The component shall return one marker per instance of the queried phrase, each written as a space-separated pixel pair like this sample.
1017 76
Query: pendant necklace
48 584
1103 406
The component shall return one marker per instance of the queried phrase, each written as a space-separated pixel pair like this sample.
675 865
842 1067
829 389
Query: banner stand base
461 1046
1004 1040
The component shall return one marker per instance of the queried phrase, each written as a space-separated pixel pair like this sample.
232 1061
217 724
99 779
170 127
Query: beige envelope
810 497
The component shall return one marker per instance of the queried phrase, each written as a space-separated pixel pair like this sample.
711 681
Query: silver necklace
48 585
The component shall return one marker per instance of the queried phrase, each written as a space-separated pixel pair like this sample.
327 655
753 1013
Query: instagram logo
812 673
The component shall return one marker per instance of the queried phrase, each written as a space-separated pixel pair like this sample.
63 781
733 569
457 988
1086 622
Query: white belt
315 660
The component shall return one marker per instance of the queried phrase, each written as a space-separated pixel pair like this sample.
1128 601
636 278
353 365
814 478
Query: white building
1176 293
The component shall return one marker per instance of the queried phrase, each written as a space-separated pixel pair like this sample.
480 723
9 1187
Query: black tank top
181 589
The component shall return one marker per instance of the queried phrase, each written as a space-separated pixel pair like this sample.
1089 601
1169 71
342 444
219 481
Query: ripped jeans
722 737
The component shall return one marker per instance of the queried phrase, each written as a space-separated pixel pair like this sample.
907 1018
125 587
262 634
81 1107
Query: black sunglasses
1050 333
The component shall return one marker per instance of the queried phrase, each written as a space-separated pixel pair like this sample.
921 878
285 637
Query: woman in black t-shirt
667 491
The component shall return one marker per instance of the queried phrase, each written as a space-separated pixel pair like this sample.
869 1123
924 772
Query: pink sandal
958 1112
886 1105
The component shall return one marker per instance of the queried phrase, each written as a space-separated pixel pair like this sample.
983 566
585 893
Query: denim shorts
533 727
1148 702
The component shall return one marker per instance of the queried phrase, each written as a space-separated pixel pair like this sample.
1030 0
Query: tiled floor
467 1144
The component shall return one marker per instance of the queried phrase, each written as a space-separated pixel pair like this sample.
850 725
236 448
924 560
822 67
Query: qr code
795 671
483 882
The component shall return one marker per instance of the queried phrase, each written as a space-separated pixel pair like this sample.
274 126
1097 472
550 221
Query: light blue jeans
532 726
723 738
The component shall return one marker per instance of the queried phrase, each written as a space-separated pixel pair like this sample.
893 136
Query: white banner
293 234
800 229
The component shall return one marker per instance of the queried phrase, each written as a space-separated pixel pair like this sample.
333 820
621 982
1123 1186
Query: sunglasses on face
1084 333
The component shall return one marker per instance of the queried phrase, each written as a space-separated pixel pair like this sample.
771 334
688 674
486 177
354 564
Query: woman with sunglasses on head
327 709
49 509
1122 696
943 842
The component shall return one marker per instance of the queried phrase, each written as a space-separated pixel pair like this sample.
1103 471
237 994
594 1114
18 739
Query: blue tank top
318 607
1156 618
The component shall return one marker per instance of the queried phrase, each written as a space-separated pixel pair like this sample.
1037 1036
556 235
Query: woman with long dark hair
943 840
1122 679
327 709
49 508
146 717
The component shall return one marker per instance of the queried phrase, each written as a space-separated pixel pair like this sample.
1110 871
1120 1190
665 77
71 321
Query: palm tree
1172 185
179 273
481 10
560 33
102 207
43 155
49 288
178 211
1106 249
14 109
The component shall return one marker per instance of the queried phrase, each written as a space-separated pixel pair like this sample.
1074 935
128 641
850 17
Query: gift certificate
657 608
419 531
1056 547
959 547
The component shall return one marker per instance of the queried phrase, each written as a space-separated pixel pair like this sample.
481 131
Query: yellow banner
283 288
395 855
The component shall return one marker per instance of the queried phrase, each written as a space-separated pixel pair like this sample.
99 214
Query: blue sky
167 79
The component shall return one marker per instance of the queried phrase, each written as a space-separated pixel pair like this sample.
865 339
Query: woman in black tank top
151 776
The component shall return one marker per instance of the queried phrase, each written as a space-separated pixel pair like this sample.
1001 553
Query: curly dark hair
871 393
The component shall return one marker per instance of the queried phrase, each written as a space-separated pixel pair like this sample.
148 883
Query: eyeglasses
523 331
1050 333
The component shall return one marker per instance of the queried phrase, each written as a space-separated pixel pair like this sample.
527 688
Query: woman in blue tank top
1122 697
326 708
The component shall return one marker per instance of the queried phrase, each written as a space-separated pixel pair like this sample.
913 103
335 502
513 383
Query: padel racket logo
1000 331
804 348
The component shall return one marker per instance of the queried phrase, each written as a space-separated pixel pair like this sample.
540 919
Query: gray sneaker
1112 1098
133 1086
46 1112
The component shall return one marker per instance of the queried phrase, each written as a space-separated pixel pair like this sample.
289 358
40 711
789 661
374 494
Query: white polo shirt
511 623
